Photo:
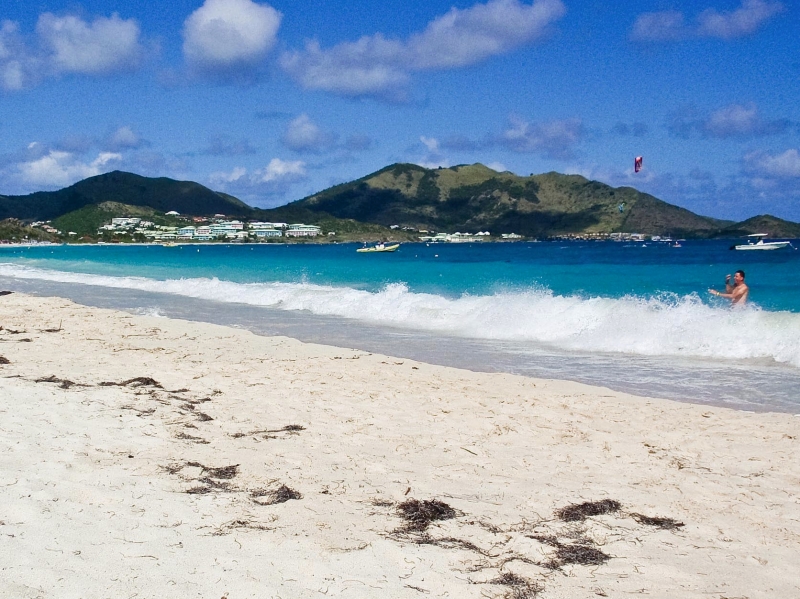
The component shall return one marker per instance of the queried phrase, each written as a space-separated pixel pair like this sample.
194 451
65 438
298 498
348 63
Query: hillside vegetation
161 194
469 198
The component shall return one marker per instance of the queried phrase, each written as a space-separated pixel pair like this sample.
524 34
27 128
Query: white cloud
59 169
497 166
229 34
430 142
464 37
17 66
658 26
374 65
104 46
553 139
669 25
124 138
222 177
785 165
281 170
64 45
742 21
735 120
303 135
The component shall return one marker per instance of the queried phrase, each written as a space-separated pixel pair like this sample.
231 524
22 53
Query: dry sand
169 487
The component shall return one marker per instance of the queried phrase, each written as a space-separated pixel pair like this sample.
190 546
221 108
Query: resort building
301 230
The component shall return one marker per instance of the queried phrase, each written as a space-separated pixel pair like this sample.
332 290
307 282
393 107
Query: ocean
630 316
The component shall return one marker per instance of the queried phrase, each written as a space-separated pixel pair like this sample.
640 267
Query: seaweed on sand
520 588
65 383
580 511
583 555
657 521
4 360
272 497
139 381
419 514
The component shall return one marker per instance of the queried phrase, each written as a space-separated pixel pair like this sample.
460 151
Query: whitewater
632 318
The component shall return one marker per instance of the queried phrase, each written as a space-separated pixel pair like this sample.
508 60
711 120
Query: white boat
752 244
379 248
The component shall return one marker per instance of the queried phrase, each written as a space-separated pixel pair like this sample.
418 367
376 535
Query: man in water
737 292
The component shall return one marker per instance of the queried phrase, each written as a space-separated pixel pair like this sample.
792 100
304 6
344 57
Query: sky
272 102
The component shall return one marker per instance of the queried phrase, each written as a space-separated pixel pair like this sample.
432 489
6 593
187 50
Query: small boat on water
752 244
380 247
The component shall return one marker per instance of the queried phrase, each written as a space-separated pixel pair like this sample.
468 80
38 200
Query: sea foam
667 325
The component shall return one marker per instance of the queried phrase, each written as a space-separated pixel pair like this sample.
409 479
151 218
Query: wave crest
667 325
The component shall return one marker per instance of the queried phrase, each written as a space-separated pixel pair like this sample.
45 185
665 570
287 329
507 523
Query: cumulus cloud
59 169
784 165
103 46
665 26
261 187
303 135
736 120
281 170
64 45
554 139
375 65
661 26
745 20
227 38
124 138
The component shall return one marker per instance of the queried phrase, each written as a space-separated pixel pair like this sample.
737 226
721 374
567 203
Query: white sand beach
149 457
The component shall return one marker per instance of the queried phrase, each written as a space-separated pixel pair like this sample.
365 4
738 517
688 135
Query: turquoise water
599 303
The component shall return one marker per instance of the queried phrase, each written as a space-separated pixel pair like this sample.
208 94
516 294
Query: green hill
14 230
469 198
161 194
763 223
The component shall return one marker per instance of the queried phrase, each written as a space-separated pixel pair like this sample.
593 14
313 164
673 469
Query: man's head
738 277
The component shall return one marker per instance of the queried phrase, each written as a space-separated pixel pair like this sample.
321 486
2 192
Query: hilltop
411 198
475 197
161 194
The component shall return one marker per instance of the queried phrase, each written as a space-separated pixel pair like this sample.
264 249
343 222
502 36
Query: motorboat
380 247
756 242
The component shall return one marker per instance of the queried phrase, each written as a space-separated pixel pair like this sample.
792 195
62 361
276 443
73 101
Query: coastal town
219 228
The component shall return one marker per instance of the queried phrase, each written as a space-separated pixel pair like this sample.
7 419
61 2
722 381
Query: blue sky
274 101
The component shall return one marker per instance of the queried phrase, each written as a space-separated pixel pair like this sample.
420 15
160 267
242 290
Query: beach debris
139 381
184 437
520 588
290 429
584 555
4 360
6 293
657 521
64 383
12 331
280 495
51 330
419 514
580 511
240 524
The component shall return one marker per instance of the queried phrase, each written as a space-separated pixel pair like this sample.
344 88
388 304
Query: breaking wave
667 325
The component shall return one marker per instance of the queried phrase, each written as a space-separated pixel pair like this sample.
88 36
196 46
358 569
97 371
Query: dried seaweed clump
520 588
419 514
225 472
583 555
4 360
139 381
580 511
280 495
663 523
65 383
